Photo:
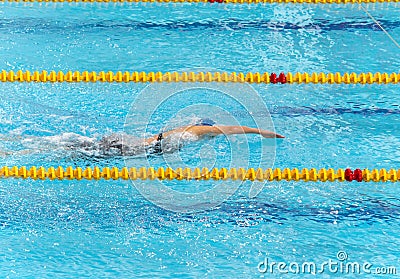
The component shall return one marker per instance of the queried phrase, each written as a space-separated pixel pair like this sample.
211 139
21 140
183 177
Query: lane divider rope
324 175
256 77
217 1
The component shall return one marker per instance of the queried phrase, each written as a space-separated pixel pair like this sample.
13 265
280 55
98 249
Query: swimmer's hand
269 134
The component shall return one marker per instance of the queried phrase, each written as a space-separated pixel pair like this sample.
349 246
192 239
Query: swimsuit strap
157 149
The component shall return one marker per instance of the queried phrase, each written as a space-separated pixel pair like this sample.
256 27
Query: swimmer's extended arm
232 130
217 130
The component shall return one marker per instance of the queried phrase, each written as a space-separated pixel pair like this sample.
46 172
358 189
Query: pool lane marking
251 174
238 77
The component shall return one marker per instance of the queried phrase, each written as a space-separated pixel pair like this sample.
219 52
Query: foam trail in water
115 144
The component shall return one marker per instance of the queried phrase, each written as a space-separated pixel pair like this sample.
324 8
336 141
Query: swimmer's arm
233 130
217 130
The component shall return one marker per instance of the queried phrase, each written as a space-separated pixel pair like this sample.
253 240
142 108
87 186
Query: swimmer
205 127
128 145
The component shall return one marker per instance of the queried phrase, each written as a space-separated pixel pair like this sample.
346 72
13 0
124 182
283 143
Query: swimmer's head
205 122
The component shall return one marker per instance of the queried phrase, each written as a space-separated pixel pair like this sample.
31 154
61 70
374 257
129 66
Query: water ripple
34 25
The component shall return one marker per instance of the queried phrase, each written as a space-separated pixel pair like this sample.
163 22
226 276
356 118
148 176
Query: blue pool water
104 229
